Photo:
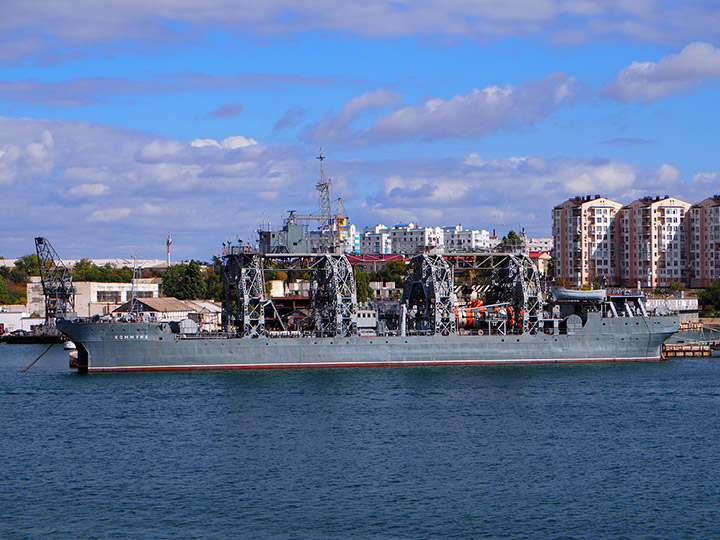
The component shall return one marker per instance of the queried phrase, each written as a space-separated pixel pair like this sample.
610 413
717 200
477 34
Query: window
109 296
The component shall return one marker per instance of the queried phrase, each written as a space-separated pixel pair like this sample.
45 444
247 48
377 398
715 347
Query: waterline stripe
320 365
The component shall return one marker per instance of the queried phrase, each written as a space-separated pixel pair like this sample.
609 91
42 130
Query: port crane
56 282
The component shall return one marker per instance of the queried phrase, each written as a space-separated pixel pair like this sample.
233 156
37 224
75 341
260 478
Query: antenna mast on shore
168 243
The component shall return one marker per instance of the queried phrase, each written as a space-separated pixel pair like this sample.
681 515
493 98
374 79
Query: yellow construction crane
340 221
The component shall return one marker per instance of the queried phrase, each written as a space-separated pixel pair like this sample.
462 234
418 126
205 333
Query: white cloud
230 143
649 81
338 127
109 215
159 151
35 160
117 203
26 30
705 177
148 209
465 116
86 190
103 177
9 156
426 191
238 141
605 178
511 192
201 143
667 175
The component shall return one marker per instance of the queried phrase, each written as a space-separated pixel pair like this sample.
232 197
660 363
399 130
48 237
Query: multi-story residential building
408 238
650 241
376 241
582 237
351 239
539 244
702 227
456 239
348 241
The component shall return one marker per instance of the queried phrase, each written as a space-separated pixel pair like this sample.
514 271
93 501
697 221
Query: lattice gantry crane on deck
56 282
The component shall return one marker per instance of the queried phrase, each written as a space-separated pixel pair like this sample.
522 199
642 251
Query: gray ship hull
104 347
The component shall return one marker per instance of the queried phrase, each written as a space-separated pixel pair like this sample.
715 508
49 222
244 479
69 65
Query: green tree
18 276
28 264
171 280
4 298
550 273
275 274
85 270
676 286
511 242
392 271
295 275
362 285
214 280
192 286
191 282
709 300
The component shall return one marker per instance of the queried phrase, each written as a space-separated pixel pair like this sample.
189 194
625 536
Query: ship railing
225 335
205 335
284 334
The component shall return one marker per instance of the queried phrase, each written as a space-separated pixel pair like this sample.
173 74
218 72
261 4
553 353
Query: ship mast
134 304
323 186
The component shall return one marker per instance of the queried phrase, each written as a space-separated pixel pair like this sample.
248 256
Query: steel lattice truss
244 294
333 298
429 290
508 278
429 294
56 282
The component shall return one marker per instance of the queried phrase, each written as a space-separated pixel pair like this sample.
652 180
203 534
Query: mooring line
31 364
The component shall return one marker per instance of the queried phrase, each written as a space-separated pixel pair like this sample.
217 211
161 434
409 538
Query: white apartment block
456 239
583 240
376 241
651 241
539 244
703 242
408 238
349 238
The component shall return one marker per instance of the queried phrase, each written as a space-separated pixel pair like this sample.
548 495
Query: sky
125 120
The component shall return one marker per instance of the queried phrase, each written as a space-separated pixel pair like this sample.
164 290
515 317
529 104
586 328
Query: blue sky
121 123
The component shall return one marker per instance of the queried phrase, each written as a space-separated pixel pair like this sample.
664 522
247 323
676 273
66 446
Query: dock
675 350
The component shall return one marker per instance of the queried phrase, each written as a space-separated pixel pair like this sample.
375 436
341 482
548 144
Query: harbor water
626 450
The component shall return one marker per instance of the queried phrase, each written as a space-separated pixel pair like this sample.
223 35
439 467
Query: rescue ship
509 319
